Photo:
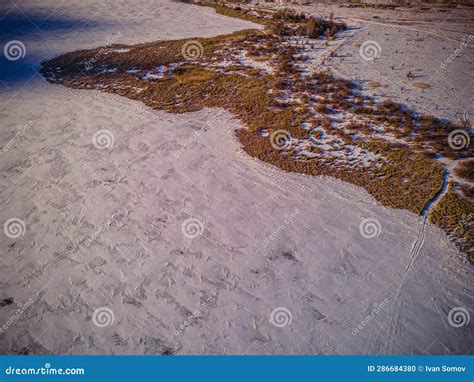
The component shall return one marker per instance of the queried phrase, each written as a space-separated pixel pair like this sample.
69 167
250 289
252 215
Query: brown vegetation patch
383 147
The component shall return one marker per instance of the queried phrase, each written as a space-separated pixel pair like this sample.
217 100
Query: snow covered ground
398 48
172 240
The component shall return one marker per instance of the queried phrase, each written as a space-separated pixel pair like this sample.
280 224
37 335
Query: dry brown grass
421 85
409 177
456 215
373 84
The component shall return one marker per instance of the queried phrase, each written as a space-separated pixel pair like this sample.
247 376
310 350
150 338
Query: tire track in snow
414 253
